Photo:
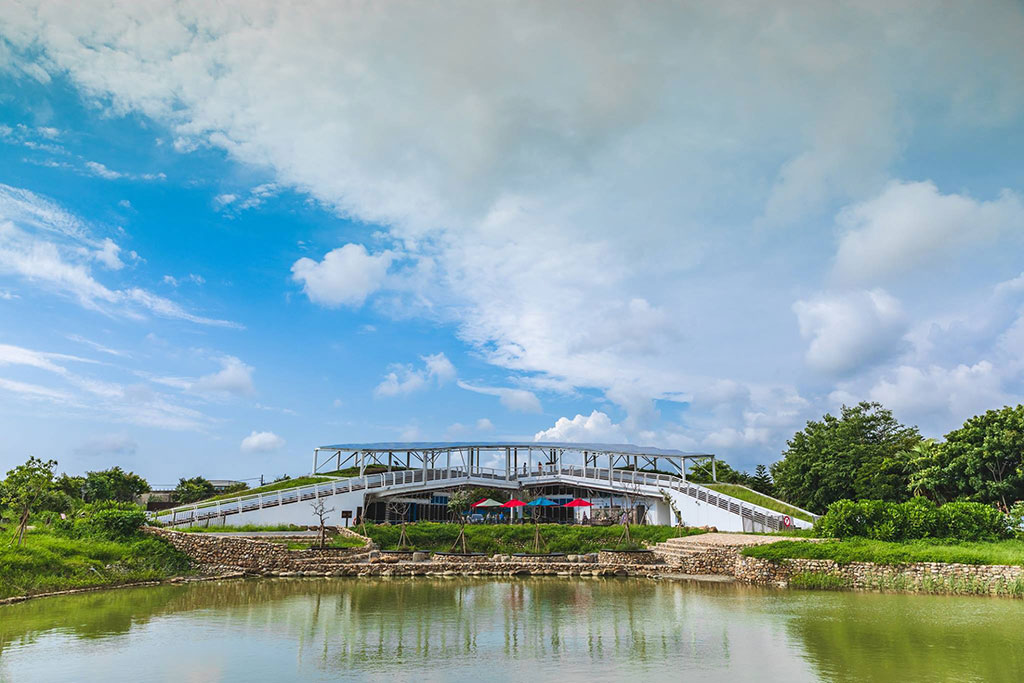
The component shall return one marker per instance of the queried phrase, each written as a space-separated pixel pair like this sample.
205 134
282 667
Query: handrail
260 500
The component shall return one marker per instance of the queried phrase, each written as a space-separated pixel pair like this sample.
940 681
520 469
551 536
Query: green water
506 630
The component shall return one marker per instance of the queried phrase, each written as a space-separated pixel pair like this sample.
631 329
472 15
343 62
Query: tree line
865 453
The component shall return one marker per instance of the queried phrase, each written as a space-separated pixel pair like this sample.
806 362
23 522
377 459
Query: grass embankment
276 486
48 562
370 469
756 498
301 481
517 538
881 552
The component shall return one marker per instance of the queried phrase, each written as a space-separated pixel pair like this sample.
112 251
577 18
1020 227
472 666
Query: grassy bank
49 562
276 486
756 498
880 552
516 538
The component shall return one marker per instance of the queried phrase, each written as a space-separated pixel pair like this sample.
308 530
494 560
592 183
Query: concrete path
721 540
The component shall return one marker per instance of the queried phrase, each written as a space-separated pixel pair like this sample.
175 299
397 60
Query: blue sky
228 235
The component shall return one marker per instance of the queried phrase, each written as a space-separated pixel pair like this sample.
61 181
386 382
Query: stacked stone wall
926 577
221 553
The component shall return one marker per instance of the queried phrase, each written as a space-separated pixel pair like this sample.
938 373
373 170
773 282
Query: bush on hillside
914 519
107 520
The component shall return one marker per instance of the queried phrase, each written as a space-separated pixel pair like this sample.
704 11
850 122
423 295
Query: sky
232 232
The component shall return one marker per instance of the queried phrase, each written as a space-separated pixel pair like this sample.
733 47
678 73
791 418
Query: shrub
914 519
107 520
974 522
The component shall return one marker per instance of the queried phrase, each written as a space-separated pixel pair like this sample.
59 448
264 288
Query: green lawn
756 498
49 562
881 552
370 469
517 538
276 486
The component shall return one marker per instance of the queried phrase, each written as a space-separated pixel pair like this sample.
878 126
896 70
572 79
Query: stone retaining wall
248 554
627 557
926 577
271 559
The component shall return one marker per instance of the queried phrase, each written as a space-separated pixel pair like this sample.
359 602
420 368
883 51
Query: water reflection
465 629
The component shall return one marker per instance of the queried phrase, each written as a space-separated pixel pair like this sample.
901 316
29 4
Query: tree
701 473
762 481
983 460
399 509
929 474
113 484
192 490
457 504
321 512
860 454
23 488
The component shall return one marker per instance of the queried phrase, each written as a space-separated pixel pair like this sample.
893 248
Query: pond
465 629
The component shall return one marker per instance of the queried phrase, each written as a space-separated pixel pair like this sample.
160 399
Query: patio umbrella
577 503
513 504
486 503
541 501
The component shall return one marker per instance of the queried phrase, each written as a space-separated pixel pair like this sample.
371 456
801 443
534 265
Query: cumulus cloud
345 276
484 425
437 370
850 331
947 392
910 224
594 428
518 400
234 377
576 224
262 442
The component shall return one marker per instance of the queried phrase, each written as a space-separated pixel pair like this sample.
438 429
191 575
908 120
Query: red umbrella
513 504
577 503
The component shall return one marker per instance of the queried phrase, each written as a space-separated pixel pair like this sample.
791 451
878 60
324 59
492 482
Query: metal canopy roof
616 448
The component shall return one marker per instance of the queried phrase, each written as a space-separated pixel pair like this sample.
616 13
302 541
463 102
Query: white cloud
484 425
850 331
96 399
94 345
594 428
107 254
262 442
577 225
52 249
191 277
911 224
518 400
98 169
222 200
234 377
33 391
404 379
455 429
102 171
345 276
950 393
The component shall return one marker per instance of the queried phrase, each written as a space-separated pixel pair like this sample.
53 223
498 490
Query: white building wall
299 513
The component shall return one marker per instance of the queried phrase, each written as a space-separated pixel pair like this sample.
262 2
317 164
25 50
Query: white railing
197 512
